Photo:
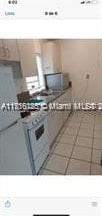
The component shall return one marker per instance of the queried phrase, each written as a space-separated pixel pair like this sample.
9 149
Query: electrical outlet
87 76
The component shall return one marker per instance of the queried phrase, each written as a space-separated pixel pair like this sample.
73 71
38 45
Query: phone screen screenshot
50 107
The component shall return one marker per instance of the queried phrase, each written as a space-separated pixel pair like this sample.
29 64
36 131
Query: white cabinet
64 99
51 127
59 115
51 57
27 57
7 94
9 50
14 159
67 99
2 53
54 125
1 42
57 118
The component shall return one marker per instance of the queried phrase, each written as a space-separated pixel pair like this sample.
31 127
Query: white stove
36 132
34 118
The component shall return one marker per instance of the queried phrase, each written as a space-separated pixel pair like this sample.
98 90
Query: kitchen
43 141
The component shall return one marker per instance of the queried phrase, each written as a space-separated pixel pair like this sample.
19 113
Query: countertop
49 98
45 100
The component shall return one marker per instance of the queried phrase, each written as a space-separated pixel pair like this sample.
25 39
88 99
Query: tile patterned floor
78 147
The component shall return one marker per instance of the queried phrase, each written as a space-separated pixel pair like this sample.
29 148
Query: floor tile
76 117
75 120
97 143
64 150
98 127
98 122
86 126
96 156
98 133
78 113
78 167
57 163
88 117
88 120
67 139
84 141
96 169
73 125
85 133
90 124
71 131
82 153
47 172
98 118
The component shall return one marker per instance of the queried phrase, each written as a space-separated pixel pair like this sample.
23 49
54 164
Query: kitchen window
36 83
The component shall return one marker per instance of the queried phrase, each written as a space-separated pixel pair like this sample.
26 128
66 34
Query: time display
12 2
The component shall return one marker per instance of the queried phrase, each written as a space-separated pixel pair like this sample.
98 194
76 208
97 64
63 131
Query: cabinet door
14 159
67 99
51 127
7 95
59 115
11 49
27 57
48 64
1 43
51 57
2 51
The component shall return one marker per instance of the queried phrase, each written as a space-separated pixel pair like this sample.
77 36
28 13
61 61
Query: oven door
38 138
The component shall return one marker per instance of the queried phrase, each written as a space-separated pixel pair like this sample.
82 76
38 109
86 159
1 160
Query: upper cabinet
25 51
9 50
51 57
27 57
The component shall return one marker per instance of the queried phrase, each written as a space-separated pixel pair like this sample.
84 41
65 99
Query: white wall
80 57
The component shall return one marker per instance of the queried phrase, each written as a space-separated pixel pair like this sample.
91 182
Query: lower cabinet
52 129
57 118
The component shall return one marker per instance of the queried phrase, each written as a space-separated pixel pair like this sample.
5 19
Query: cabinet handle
7 53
